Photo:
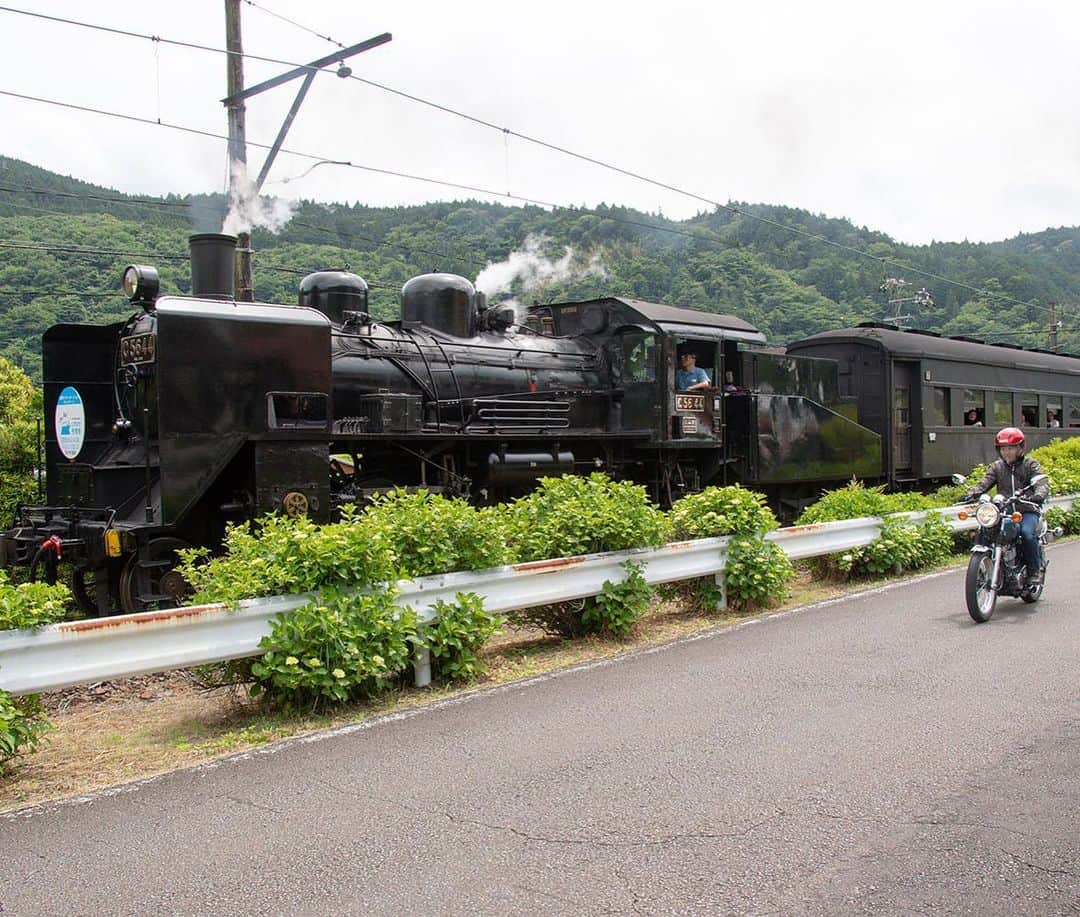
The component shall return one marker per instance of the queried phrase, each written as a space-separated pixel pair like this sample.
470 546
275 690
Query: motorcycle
997 564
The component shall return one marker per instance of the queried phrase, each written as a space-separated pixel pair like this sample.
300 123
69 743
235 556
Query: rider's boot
1036 578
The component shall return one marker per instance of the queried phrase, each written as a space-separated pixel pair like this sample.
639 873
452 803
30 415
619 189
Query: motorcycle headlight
987 515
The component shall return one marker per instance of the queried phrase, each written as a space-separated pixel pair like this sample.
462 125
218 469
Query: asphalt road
878 755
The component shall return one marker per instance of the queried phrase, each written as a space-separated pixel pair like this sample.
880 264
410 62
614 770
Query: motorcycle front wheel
978 588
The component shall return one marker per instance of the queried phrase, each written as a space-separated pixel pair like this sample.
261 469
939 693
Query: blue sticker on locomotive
70 422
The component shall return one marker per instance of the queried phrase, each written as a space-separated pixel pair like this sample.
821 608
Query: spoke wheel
152 583
978 588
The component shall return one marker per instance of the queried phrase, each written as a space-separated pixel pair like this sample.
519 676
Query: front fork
995 576
997 550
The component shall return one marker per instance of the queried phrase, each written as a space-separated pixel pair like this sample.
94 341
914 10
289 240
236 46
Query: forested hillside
788 283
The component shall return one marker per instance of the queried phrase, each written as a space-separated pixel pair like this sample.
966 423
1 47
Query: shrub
22 719
22 724
1061 461
339 647
568 516
620 605
457 635
429 533
757 572
20 410
718 511
856 501
31 604
903 545
951 494
281 556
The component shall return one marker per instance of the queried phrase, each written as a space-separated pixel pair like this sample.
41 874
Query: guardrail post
721 584
421 666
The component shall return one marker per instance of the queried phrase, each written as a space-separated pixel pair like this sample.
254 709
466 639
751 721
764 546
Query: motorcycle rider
1012 472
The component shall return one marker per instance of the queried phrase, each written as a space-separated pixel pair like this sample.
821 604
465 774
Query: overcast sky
925 120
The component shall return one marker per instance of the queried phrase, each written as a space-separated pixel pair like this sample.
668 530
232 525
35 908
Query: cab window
704 359
638 357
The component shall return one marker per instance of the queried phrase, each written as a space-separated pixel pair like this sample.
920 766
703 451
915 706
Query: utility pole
237 142
239 186
898 296
1052 340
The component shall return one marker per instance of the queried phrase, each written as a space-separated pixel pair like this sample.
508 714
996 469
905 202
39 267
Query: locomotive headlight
987 515
141 284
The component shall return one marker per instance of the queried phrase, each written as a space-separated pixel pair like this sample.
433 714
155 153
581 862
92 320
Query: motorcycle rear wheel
978 588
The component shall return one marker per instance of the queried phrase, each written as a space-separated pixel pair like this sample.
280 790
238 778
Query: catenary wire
157 39
413 250
292 22
885 262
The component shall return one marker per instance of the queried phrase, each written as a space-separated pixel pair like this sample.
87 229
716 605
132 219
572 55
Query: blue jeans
1029 538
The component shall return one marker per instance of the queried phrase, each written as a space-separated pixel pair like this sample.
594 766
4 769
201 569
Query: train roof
677 320
917 344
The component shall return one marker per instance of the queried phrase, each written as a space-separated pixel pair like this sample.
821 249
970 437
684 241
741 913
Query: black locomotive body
202 411
936 402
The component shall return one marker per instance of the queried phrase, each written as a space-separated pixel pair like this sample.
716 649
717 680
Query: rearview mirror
959 478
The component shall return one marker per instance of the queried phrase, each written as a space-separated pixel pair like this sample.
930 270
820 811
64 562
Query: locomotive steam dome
334 293
445 302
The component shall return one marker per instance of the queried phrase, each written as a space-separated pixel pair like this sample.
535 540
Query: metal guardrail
77 652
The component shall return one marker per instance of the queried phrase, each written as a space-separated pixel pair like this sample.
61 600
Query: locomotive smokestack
213 265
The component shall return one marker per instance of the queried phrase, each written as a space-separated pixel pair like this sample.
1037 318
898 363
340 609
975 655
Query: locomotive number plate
689 402
139 348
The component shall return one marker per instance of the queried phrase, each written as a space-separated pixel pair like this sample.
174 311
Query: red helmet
1010 436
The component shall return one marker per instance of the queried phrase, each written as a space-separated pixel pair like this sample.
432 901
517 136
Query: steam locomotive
199 411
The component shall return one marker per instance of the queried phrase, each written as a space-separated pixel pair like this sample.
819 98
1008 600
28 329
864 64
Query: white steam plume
247 209
535 271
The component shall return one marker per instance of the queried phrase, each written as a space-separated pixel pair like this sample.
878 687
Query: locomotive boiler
200 411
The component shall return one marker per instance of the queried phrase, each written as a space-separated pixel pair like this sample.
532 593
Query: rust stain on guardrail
799 529
146 617
548 566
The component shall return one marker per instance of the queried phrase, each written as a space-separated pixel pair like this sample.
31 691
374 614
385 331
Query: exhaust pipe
213 265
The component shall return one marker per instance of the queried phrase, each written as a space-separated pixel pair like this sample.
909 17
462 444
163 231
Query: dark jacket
1014 477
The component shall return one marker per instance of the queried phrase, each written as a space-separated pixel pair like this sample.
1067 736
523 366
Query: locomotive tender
200 411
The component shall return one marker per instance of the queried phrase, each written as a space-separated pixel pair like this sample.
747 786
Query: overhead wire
66 249
413 250
506 131
292 22
157 39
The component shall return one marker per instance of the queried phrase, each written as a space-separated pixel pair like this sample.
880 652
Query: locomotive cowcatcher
200 411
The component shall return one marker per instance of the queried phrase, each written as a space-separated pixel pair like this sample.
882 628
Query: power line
508 132
65 249
474 189
303 28
115 199
157 39
186 205
84 293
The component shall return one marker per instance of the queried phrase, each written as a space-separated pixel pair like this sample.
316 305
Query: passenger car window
939 407
1003 415
974 407
1074 412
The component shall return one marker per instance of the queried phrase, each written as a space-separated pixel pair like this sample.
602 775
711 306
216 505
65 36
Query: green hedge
22 719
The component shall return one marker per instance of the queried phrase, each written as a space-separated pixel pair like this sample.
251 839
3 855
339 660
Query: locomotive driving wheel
151 582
